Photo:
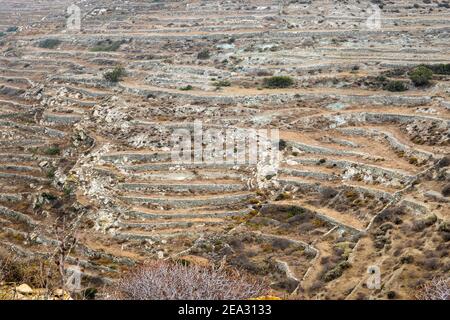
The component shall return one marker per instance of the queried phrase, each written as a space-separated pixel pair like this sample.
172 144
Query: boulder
24 289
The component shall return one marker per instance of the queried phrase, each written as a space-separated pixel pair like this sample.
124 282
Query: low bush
278 82
439 68
52 151
203 55
114 75
390 214
281 244
435 289
336 272
395 86
282 144
107 47
33 272
446 190
421 76
49 43
391 295
222 83
327 193
187 88
165 280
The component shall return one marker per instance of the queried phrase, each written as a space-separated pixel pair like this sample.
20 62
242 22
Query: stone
24 289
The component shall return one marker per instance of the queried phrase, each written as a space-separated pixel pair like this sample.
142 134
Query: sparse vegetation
204 55
49 43
222 83
12 29
114 75
396 86
439 68
32 271
435 289
51 173
421 76
52 151
361 177
278 82
425 222
107 46
164 280
187 88
446 190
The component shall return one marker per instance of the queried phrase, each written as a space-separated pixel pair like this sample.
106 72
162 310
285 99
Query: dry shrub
164 280
328 193
33 271
435 289
446 190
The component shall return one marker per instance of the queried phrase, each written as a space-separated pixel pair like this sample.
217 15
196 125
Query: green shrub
446 190
31 271
203 55
51 173
187 88
49 43
421 76
2 34
439 68
49 196
114 75
12 29
52 151
282 144
278 82
110 46
222 83
396 86
166 280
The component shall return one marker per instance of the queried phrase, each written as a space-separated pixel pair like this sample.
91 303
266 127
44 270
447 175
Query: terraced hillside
364 174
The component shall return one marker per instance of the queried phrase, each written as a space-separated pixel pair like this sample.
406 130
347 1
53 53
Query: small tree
421 76
278 82
165 280
114 75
